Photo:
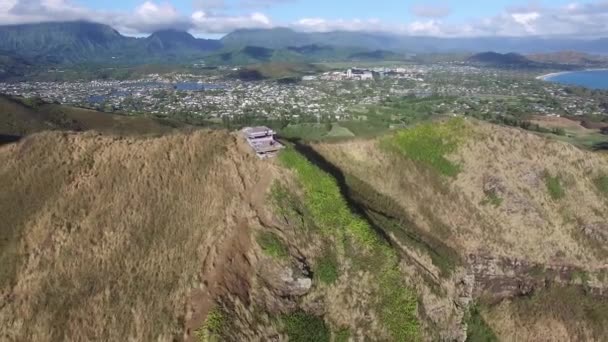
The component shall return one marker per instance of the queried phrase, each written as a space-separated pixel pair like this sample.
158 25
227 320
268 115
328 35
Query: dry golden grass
102 238
558 314
499 203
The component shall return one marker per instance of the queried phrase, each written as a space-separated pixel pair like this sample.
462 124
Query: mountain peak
172 34
498 58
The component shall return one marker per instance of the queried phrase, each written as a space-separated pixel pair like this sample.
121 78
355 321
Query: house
261 139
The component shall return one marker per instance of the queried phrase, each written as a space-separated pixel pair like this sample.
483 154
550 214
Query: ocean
593 79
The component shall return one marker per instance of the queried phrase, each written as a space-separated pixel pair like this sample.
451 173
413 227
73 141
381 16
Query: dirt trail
227 269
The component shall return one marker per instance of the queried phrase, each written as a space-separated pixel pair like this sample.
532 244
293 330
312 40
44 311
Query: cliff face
190 236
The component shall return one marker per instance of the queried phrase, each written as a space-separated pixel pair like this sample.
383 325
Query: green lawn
338 131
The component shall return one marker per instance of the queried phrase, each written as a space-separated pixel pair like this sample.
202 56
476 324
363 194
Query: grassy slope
444 193
433 182
397 303
102 238
19 116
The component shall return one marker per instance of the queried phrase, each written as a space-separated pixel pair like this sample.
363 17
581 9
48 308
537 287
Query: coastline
551 75
548 77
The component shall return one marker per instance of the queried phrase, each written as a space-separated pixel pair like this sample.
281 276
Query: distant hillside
495 58
63 42
283 37
12 66
270 38
20 117
377 55
277 71
304 54
568 57
76 42
84 42
171 41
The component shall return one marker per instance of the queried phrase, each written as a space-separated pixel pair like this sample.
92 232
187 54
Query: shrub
342 335
272 245
327 269
493 199
303 327
213 327
477 328
554 186
601 183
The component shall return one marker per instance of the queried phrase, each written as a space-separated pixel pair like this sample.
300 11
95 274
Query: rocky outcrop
499 278
596 231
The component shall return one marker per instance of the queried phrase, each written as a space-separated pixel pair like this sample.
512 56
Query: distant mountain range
568 57
32 45
282 37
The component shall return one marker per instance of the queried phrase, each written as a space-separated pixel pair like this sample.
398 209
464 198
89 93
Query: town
334 95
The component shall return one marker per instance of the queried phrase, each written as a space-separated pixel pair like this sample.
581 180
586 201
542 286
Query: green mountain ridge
80 42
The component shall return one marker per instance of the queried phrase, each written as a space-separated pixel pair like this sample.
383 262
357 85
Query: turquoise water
594 79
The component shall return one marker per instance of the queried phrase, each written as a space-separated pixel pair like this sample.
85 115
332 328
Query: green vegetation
212 329
429 143
365 128
554 186
272 245
397 303
408 110
477 328
338 131
278 71
582 276
391 217
327 269
305 131
493 199
342 335
303 327
601 183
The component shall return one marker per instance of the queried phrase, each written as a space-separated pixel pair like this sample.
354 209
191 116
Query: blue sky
291 10
432 17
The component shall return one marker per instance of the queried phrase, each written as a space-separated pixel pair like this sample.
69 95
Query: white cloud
579 19
150 17
427 28
204 23
324 25
526 20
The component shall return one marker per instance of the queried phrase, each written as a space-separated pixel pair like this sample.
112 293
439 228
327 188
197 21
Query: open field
575 133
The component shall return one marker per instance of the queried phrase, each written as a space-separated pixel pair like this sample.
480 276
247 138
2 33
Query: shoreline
548 77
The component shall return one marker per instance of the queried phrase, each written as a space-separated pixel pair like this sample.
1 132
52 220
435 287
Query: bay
593 79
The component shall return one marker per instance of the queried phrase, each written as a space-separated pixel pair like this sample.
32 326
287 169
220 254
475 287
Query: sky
214 18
